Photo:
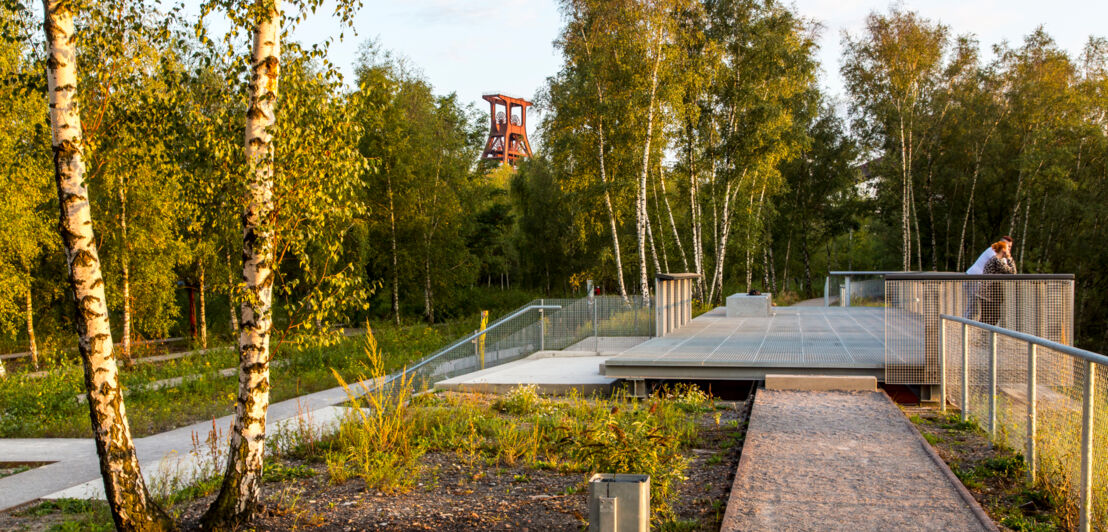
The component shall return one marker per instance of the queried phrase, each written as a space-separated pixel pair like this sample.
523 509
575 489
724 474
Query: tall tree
124 488
890 72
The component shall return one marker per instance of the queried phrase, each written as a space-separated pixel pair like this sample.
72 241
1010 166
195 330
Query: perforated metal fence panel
1035 304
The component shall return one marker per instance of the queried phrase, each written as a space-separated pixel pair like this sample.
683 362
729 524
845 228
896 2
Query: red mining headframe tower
508 133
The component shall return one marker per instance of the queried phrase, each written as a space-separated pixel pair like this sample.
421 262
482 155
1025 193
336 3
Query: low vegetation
995 474
47 406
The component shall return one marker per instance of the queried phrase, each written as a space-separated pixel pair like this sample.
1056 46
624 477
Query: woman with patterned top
993 295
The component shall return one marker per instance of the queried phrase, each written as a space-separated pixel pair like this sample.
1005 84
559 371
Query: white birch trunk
126 260
672 222
203 313
640 209
231 296
31 345
604 180
124 487
239 495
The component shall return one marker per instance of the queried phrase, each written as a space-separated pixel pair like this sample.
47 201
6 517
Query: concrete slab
822 383
843 461
553 372
744 305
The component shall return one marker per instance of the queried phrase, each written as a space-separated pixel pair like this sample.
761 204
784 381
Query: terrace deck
795 340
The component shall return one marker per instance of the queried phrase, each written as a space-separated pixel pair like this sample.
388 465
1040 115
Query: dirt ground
452 495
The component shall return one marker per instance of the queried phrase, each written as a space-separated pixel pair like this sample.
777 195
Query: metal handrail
958 276
474 336
1032 339
1085 478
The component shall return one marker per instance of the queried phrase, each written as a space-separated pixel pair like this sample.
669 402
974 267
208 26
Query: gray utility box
746 306
619 503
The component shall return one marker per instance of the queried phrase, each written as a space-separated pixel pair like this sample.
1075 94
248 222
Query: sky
475 47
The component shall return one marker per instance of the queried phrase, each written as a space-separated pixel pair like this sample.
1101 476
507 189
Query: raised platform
552 373
795 340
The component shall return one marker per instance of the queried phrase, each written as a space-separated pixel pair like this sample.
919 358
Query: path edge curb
970 501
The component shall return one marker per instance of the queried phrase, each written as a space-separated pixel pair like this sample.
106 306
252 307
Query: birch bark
241 489
32 346
124 488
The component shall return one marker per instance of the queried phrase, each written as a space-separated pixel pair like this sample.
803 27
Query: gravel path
842 461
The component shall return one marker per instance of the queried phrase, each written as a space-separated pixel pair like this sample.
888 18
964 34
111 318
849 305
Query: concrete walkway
843 461
165 457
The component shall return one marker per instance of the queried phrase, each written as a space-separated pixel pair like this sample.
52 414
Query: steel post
846 295
542 330
965 373
942 365
992 385
1087 448
1032 398
827 291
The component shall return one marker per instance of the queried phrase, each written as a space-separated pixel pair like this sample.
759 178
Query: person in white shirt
970 288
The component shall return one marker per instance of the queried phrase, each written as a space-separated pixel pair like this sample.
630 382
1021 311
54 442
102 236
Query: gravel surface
840 461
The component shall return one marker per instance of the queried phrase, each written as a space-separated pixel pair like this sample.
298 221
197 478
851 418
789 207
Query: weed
1009 466
376 439
523 399
277 471
931 438
521 478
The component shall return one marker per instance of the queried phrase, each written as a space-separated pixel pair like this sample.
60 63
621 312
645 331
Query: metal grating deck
823 340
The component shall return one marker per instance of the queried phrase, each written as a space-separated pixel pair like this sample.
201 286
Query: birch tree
124 487
264 21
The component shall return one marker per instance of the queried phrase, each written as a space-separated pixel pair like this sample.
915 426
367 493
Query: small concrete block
822 383
743 305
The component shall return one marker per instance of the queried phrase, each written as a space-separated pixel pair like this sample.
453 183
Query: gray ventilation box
619 503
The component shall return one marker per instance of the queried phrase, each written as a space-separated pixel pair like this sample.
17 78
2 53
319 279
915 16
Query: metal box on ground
619 503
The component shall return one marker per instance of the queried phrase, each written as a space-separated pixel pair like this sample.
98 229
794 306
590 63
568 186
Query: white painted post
965 372
1032 397
942 365
992 385
1087 448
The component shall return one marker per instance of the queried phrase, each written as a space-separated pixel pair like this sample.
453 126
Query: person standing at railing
992 297
971 289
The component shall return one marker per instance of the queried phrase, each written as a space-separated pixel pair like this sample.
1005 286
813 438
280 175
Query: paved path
75 471
842 461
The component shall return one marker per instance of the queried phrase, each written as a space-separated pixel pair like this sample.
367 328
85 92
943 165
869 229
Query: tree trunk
807 265
395 251
428 301
241 489
126 260
604 179
672 222
203 313
124 488
640 210
31 327
231 296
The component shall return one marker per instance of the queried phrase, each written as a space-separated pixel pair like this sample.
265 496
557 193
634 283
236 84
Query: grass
46 407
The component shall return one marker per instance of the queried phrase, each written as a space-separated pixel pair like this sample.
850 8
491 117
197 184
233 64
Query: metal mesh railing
1041 305
543 324
854 288
1044 398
